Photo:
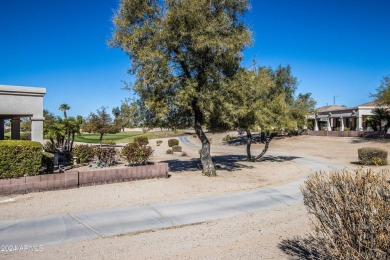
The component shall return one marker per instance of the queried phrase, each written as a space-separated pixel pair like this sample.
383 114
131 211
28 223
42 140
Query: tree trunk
248 145
101 139
205 157
71 144
268 139
68 140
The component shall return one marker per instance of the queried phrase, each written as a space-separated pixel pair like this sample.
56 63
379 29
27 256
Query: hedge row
19 158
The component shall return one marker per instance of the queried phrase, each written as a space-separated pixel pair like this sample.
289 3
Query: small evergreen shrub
159 142
136 154
141 140
351 213
227 138
105 155
169 151
176 148
47 163
372 156
194 136
184 154
346 129
172 142
84 153
19 158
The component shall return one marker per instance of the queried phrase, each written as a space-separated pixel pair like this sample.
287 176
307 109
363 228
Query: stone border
75 179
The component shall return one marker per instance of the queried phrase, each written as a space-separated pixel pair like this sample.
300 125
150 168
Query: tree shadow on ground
357 163
273 158
223 162
300 248
178 166
256 139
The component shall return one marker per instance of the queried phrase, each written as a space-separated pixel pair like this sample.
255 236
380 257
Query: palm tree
380 116
71 127
64 107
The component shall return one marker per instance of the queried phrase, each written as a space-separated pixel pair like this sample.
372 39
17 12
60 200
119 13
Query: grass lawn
125 137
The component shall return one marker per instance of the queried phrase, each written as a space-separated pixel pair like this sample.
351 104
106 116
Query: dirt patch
252 236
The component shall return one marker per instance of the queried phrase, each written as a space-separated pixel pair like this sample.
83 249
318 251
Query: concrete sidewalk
109 222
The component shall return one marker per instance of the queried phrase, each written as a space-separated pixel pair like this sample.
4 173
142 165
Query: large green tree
383 91
265 99
101 123
182 53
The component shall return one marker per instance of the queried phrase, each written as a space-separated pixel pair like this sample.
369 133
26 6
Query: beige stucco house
338 118
17 102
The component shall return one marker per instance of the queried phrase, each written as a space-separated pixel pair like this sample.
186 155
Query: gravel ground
252 236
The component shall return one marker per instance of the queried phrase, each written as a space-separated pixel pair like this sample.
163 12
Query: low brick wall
74 179
336 133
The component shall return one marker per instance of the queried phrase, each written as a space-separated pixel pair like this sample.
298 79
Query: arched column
329 124
359 126
316 124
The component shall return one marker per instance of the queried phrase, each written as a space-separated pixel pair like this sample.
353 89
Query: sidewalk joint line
86 225
161 215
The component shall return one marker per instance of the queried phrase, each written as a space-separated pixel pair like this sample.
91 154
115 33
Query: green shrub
372 156
172 142
176 148
227 138
169 151
136 154
159 142
18 158
25 136
47 163
346 129
49 147
141 140
105 155
84 153
194 136
184 154
351 214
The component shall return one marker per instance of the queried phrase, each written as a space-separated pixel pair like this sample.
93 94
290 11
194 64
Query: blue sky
335 48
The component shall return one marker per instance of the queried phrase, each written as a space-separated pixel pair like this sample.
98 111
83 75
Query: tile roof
330 108
374 103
